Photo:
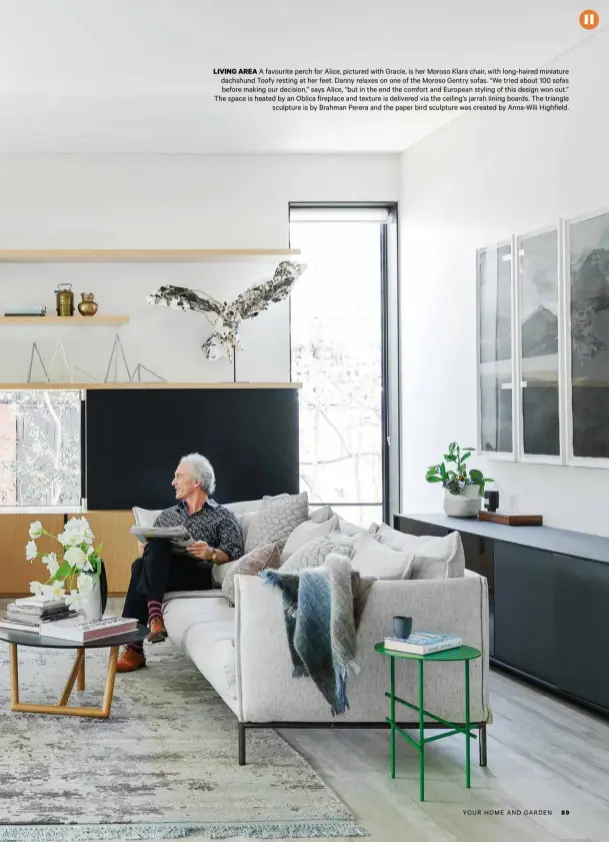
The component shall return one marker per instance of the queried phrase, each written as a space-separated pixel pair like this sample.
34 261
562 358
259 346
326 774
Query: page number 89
564 812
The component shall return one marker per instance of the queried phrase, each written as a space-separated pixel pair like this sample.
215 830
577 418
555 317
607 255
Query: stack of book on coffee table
79 632
34 614
423 643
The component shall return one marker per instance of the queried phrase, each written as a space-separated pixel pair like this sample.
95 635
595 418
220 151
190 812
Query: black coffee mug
402 627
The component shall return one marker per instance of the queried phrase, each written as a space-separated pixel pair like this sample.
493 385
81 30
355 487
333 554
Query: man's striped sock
155 610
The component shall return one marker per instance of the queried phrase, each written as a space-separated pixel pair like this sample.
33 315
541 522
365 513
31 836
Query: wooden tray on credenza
511 520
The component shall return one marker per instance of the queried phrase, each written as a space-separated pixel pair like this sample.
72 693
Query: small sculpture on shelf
65 300
88 306
492 501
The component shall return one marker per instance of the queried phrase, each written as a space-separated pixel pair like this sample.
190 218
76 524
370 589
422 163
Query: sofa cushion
434 557
277 518
219 572
439 558
252 563
393 538
348 528
244 512
320 514
242 506
204 628
211 646
371 558
354 529
182 614
305 532
315 551
212 649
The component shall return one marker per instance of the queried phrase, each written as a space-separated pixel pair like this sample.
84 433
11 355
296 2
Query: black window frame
390 350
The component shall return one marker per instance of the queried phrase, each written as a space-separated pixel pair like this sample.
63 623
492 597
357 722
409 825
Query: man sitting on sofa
163 567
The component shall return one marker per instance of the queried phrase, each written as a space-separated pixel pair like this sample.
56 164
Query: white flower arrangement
72 576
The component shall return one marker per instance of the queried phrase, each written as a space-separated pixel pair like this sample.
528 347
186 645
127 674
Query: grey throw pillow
305 533
315 552
321 514
276 520
251 564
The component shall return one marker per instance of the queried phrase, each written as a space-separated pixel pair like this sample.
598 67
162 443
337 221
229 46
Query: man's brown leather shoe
130 660
158 632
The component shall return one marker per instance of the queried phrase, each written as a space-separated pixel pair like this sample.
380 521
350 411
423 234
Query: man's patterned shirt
213 524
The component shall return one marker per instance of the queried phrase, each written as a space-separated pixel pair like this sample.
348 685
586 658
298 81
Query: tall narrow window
338 343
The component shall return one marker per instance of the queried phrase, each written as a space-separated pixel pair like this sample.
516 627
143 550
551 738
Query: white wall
473 183
183 201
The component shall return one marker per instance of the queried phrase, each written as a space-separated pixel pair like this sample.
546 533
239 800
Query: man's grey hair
201 471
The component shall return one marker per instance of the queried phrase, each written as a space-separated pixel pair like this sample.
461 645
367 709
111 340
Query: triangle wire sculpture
71 370
36 353
60 352
76 368
116 349
137 373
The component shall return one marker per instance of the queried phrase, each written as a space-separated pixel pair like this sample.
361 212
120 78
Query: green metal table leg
392 660
421 736
467 736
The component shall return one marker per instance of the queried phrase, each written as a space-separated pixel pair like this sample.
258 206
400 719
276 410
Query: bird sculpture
226 317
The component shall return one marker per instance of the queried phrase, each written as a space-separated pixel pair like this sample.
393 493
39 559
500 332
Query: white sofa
242 651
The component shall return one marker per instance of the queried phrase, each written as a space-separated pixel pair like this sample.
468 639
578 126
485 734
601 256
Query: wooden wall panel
119 549
15 572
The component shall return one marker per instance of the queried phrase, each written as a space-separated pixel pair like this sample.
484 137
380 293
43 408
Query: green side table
462 653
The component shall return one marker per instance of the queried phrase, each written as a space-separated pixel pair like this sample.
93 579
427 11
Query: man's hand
200 549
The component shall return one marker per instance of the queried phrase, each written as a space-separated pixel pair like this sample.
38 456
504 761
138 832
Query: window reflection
40 450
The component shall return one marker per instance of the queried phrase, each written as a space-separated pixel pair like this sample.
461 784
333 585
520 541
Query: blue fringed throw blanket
322 607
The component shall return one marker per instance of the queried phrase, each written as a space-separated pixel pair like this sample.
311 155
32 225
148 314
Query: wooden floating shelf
70 321
8 387
136 255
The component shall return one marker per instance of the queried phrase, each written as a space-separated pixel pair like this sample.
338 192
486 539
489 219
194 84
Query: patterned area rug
163 766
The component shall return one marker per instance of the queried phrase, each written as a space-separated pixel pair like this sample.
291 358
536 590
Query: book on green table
423 643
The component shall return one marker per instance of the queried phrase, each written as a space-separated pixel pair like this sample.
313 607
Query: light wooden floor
543 755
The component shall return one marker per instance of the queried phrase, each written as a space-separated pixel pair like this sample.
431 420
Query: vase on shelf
465 504
64 300
88 306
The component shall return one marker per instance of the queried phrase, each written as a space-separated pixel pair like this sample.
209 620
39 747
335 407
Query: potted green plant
463 487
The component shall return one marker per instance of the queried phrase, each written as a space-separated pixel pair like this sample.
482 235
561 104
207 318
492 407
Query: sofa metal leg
241 744
482 744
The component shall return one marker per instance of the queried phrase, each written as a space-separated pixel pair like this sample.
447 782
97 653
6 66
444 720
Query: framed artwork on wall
543 323
495 317
586 300
539 341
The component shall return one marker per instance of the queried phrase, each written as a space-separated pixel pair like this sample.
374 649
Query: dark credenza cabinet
548 601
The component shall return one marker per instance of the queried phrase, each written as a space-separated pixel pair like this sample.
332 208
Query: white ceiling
136 76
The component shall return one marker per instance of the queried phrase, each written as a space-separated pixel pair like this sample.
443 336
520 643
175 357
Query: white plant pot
466 504
91 604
